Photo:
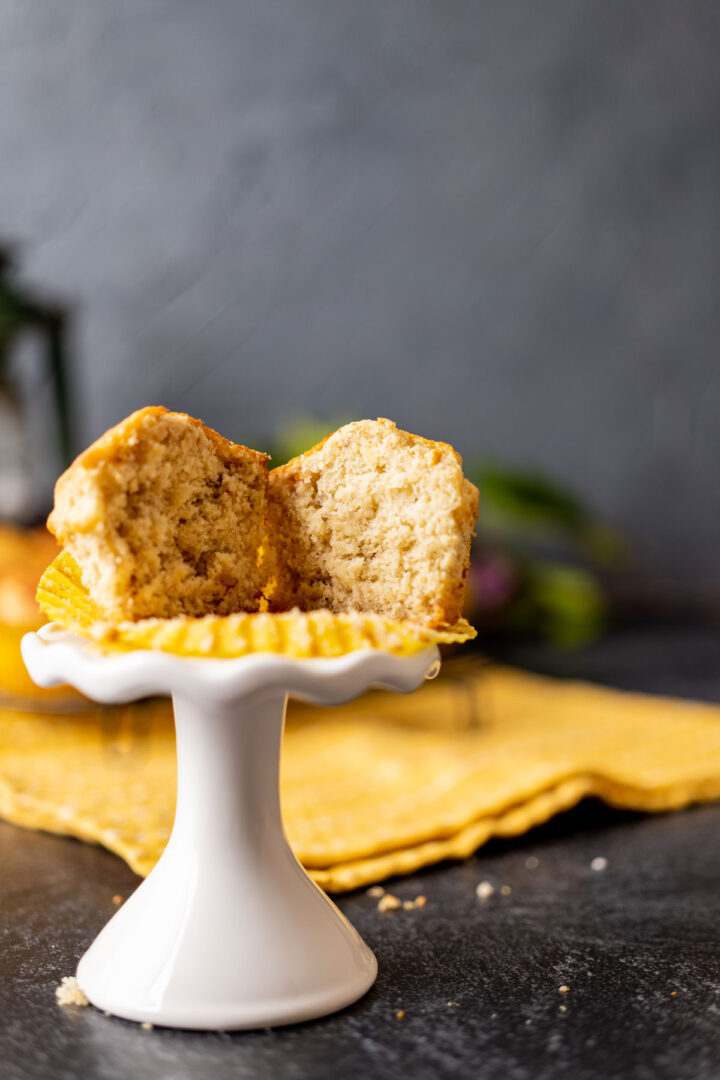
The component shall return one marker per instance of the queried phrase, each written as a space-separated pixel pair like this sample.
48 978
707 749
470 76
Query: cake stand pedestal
228 931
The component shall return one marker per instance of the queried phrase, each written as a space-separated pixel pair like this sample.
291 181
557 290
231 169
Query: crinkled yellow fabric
387 784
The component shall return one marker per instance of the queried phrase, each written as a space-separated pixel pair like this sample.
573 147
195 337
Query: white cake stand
228 931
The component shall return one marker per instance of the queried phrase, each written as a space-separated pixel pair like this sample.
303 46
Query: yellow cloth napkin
386 784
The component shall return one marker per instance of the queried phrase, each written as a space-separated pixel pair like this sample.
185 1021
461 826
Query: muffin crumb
388 902
69 992
484 890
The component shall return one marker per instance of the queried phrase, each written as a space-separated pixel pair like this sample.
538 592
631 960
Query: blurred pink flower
492 580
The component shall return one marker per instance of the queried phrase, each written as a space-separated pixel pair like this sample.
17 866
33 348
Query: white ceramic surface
228 931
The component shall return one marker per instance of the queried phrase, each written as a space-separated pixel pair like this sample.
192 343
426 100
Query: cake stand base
228 931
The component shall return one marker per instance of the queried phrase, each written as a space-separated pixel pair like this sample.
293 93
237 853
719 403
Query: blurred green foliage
528 498
560 603
556 547
532 504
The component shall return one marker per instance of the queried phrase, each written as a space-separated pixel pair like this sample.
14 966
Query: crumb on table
69 992
484 890
388 902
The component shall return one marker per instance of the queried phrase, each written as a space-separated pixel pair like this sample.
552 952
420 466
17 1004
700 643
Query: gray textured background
496 222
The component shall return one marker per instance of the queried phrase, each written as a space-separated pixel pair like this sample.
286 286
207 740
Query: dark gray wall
496 222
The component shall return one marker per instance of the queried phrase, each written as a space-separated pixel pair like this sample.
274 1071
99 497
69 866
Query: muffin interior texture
373 519
165 518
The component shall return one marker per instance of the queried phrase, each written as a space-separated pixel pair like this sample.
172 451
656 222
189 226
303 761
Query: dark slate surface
638 944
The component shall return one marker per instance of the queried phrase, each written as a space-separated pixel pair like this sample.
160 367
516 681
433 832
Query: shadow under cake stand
227 931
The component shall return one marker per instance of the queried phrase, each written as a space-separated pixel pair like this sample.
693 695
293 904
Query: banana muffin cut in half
372 519
164 518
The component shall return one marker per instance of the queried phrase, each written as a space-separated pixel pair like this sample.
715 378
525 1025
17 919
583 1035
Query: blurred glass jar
35 437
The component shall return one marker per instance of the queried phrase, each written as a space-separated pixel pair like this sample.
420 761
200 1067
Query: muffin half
372 519
164 518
